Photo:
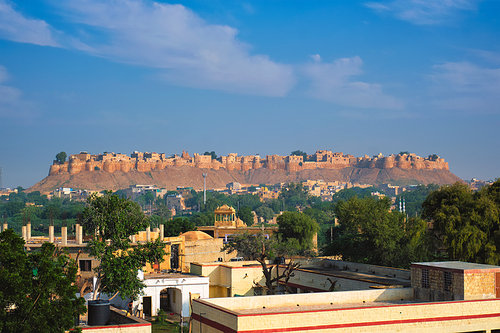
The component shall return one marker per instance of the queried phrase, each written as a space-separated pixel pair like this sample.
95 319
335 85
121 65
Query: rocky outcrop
170 177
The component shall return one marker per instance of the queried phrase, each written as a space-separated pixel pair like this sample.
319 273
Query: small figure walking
130 306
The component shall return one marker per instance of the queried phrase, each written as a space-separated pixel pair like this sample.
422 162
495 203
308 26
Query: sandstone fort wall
322 159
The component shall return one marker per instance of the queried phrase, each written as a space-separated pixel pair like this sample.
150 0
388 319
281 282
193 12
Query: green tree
370 233
413 199
203 219
466 222
299 153
37 291
367 230
265 212
295 196
322 213
112 220
163 211
298 228
212 153
61 157
149 198
262 249
175 227
246 215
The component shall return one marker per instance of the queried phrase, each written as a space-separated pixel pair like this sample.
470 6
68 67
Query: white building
172 293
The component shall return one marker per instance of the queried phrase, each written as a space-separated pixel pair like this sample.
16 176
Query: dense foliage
18 208
37 291
369 232
178 225
112 220
414 198
298 229
466 222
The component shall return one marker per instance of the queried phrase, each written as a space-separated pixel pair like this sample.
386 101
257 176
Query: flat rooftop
359 276
324 306
174 275
314 302
458 265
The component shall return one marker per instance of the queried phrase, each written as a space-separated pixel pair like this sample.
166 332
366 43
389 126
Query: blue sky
250 77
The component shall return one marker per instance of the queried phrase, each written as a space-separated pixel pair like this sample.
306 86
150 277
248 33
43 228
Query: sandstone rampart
322 159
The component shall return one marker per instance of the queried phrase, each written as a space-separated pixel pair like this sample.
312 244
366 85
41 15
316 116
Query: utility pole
204 188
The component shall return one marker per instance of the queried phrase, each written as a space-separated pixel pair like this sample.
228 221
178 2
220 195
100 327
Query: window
425 278
448 282
85 265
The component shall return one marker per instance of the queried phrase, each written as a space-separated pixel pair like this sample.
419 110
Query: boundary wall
344 312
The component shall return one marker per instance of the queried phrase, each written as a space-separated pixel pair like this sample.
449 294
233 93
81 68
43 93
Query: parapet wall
322 159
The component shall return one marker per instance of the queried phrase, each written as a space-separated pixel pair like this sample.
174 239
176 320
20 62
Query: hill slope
172 176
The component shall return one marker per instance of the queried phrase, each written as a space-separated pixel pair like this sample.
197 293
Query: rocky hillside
173 176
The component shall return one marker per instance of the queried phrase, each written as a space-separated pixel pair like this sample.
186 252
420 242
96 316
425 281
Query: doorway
146 303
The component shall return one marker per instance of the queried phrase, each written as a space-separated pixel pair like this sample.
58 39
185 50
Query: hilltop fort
322 159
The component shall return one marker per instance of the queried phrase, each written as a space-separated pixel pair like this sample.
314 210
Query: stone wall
322 159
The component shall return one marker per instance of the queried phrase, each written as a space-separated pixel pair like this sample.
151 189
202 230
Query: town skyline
358 77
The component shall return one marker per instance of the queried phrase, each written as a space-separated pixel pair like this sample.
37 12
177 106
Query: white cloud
172 37
465 86
11 103
316 57
423 12
14 26
332 82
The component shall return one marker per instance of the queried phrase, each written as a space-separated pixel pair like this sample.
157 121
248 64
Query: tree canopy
61 157
299 153
265 212
112 220
294 196
178 225
467 222
212 153
297 228
369 232
37 290
261 249
246 215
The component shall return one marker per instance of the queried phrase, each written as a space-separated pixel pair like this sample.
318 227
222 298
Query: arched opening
171 300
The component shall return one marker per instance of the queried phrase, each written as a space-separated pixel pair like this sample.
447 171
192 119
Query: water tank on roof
98 313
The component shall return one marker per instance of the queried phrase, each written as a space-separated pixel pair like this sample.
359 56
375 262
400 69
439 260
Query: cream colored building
234 278
372 310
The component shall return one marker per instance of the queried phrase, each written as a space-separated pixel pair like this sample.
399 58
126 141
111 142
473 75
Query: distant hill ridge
116 171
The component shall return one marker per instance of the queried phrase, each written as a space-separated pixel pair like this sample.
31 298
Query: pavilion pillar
28 231
77 231
51 234
64 236
79 239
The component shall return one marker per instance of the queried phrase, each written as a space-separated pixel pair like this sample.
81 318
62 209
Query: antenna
204 188
1 179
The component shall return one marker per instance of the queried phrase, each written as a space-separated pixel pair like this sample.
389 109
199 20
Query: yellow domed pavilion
225 216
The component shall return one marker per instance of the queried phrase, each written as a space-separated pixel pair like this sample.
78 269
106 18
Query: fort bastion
323 159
